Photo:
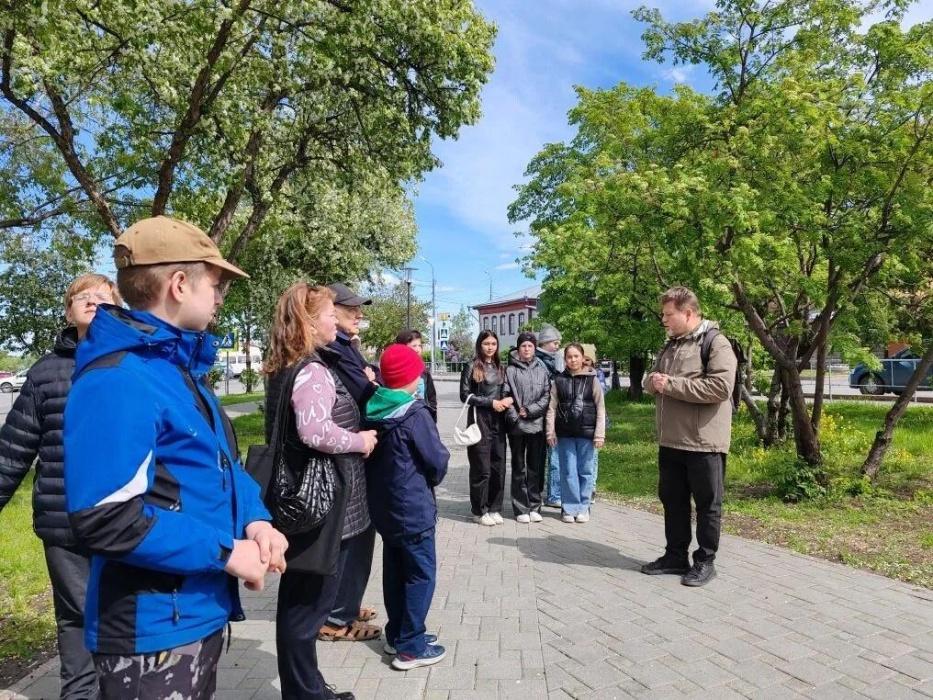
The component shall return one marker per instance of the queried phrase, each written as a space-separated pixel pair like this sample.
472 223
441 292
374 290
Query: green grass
231 399
884 526
250 430
27 623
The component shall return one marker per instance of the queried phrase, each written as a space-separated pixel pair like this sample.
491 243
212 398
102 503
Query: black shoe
701 573
331 694
666 565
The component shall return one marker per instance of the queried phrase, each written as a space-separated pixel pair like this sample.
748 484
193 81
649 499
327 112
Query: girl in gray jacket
527 382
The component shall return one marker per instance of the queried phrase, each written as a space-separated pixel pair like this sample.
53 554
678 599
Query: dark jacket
430 393
347 363
317 551
484 393
576 408
550 361
408 462
33 429
154 485
529 384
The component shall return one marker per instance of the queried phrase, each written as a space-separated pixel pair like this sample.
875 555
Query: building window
494 323
530 313
511 324
485 323
502 324
521 319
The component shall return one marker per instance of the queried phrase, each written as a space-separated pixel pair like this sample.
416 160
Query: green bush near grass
883 526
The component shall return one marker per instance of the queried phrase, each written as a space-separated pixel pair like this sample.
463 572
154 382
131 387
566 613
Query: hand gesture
272 544
658 382
598 442
523 412
552 442
370 374
369 441
245 563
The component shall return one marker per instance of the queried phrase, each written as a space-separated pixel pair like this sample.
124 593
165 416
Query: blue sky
543 49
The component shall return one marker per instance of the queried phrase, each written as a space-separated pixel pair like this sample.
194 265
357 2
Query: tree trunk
757 415
784 410
805 437
775 404
883 437
616 384
636 363
248 384
817 411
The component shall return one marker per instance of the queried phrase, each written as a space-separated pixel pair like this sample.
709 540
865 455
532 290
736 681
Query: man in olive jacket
693 412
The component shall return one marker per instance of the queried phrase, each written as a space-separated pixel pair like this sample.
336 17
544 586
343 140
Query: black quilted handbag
300 492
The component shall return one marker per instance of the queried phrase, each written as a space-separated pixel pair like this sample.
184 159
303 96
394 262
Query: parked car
238 363
893 376
13 383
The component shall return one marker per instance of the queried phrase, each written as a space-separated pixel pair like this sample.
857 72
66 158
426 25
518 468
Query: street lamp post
408 271
433 314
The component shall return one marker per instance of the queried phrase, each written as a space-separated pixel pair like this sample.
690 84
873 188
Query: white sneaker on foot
584 517
567 518
535 516
484 519
497 518
523 518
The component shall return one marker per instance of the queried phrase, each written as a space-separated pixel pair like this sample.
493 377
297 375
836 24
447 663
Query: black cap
346 296
526 336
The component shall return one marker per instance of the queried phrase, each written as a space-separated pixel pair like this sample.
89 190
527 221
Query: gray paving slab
555 610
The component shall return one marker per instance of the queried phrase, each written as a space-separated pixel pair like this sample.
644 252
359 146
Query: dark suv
893 376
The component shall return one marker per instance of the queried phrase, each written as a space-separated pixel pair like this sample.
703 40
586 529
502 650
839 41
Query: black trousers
529 456
353 569
698 474
487 466
305 601
68 571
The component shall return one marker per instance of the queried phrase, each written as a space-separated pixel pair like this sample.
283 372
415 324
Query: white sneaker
497 518
484 519
535 516
523 518
584 517
567 518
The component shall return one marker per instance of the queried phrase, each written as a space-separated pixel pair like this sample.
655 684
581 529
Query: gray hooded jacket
529 384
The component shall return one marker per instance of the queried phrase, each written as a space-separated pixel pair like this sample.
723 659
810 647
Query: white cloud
508 266
677 74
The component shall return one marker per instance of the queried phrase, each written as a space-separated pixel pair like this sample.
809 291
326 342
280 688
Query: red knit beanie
400 366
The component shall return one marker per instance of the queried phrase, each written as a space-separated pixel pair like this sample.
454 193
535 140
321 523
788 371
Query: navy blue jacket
350 367
153 485
401 473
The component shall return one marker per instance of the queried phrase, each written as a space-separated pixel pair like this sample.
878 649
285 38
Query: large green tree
225 112
390 312
782 195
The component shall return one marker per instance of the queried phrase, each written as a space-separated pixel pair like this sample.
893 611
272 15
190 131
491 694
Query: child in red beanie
401 473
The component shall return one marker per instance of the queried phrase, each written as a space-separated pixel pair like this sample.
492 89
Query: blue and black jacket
153 485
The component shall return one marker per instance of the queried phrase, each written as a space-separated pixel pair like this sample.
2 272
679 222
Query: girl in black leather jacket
482 387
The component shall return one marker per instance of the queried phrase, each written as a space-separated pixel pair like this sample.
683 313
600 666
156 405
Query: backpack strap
706 345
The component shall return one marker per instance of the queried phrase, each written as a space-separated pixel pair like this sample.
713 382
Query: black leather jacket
484 392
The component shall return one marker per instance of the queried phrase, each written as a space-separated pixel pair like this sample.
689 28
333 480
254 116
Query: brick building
507 314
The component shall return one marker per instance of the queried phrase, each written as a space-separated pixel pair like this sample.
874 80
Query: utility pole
433 314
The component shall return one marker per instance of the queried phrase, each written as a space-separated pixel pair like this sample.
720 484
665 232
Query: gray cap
547 334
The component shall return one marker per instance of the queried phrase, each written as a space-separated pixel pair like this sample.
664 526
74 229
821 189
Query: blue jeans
409 572
576 471
553 476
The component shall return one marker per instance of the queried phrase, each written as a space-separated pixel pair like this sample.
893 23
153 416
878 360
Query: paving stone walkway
559 611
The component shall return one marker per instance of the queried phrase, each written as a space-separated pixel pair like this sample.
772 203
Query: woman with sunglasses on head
482 386
33 429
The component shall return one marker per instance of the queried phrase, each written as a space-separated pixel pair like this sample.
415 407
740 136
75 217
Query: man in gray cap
548 351
352 369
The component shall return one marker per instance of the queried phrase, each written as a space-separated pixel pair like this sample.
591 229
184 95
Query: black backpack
705 347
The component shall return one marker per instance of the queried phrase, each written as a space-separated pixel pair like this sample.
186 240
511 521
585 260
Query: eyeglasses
99 298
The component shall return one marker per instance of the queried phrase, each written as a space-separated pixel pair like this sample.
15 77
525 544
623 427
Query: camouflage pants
187 672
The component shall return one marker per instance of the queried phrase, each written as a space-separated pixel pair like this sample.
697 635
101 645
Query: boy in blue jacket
153 484
401 473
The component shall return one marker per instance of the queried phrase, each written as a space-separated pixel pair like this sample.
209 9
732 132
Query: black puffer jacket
34 428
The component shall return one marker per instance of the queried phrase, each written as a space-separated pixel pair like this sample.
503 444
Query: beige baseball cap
162 239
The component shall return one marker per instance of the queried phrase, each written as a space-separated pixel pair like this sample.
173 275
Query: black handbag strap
280 421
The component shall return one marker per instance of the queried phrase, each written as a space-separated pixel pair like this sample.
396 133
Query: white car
238 364
14 383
